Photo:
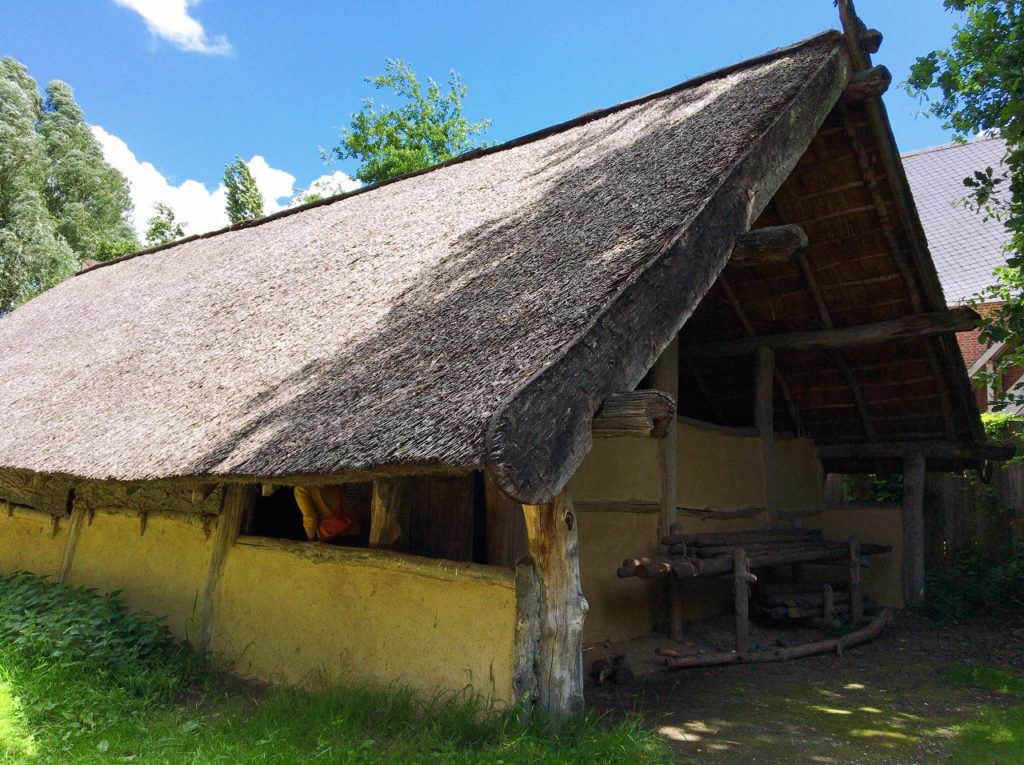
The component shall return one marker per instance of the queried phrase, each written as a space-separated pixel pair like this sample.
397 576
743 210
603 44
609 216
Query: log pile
801 600
689 555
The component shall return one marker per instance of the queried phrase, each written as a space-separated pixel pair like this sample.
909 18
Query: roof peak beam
770 244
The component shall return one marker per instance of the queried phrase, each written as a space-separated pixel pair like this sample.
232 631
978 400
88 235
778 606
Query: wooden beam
237 499
869 83
71 542
956 319
771 244
741 598
856 592
764 420
554 553
912 566
941 450
638 413
390 513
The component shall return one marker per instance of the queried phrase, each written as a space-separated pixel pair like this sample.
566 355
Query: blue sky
187 85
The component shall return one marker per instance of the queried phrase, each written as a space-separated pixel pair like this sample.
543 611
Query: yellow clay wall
284 617
27 544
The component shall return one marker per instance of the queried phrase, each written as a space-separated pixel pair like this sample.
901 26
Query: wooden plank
912 566
958 319
764 420
440 522
238 498
638 413
390 510
554 551
771 244
506 529
901 449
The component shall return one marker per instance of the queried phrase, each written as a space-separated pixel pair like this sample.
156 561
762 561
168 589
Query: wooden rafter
744 321
770 244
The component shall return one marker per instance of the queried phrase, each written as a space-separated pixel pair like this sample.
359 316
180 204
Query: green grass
992 735
83 682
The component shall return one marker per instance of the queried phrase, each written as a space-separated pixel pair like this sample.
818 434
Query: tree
163 227
88 199
976 85
33 255
427 128
245 201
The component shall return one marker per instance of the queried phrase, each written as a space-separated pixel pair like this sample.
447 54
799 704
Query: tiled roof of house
963 244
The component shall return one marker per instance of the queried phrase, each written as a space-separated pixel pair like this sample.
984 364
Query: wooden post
554 552
913 529
764 420
74 530
856 593
238 498
665 377
828 601
390 511
741 594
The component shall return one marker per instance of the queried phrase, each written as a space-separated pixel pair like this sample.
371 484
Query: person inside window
323 513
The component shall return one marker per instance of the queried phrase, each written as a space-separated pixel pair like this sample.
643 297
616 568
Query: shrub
973 583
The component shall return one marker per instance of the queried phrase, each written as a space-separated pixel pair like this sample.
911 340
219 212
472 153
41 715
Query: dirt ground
890 701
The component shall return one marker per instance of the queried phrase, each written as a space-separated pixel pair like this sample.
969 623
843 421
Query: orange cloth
323 514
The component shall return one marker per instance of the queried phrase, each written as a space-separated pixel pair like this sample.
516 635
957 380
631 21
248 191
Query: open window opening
459 518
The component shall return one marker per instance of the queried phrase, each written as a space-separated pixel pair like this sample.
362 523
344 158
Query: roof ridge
526 138
980 138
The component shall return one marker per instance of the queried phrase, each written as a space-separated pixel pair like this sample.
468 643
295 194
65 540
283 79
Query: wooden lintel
641 413
959 319
771 244
941 450
867 84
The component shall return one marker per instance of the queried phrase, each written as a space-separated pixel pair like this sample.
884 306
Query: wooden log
804 598
665 375
899 450
390 510
912 569
771 244
741 598
838 645
800 611
869 83
238 498
856 594
796 588
554 551
639 413
764 421
959 319
753 549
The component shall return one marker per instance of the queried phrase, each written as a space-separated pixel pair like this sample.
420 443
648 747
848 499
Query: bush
974 583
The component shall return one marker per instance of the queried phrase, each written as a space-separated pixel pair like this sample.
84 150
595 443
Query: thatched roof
472 315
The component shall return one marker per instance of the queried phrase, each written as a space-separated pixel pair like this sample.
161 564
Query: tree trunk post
764 420
913 529
238 498
741 593
553 537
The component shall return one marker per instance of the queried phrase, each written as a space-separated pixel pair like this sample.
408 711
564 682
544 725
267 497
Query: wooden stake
238 497
856 593
913 529
390 511
554 550
741 594
764 419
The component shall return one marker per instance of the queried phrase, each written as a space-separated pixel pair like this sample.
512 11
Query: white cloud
327 186
200 208
170 20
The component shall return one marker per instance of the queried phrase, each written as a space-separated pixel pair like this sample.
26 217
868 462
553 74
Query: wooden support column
764 420
390 513
561 608
74 530
913 529
665 377
856 592
238 498
741 594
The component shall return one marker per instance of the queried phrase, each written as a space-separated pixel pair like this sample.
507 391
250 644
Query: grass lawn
82 682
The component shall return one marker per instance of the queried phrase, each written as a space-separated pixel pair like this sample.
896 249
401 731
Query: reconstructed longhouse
520 367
